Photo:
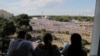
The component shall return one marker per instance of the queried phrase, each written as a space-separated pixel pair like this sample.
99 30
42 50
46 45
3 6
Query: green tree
7 28
69 18
21 22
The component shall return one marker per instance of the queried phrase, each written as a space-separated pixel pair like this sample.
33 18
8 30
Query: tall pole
95 46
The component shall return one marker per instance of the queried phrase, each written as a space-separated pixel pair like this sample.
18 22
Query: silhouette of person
47 49
75 49
20 46
28 37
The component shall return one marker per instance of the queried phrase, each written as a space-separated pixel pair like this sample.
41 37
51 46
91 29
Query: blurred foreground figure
28 37
75 49
20 46
47 49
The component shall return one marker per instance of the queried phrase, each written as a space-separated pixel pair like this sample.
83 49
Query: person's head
76 39
21 34
28 37
75 49
47 39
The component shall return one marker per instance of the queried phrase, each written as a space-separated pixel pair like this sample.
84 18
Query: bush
85 42
54 37
67 32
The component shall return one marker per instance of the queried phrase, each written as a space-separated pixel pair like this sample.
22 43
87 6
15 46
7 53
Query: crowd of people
22 46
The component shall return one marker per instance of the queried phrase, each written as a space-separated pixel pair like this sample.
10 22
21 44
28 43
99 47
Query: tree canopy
21 22
7 28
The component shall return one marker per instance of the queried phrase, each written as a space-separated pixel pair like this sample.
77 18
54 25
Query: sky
49 7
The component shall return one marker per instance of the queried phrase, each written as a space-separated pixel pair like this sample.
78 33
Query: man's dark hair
75 49
21 34
76 39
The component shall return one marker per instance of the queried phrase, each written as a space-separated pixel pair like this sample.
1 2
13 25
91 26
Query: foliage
69 18
59 31
67 32
30 28
21 22
43 31
7 28
54 37
85 42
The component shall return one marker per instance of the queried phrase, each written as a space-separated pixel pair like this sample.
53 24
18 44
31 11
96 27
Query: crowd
22 46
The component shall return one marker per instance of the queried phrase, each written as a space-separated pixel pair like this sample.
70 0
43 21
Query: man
20 46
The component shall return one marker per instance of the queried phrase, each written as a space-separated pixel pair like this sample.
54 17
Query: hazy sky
49 7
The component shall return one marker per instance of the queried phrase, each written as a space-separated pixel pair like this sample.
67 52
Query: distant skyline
49 7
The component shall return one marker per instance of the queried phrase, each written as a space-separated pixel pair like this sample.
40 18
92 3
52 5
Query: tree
1 18
6 28
69 18
21 22
9 27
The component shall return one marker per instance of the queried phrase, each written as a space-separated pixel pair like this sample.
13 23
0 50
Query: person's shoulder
40 45
26 41
66 48
12 41
54 46
56 51
84 51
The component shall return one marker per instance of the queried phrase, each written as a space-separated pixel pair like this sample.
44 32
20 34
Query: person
28 37
75 49
65 44
20 46
47 49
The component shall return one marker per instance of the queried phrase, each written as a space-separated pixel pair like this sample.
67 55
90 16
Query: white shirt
20 47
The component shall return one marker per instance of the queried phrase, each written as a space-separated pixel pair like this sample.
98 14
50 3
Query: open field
63 31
